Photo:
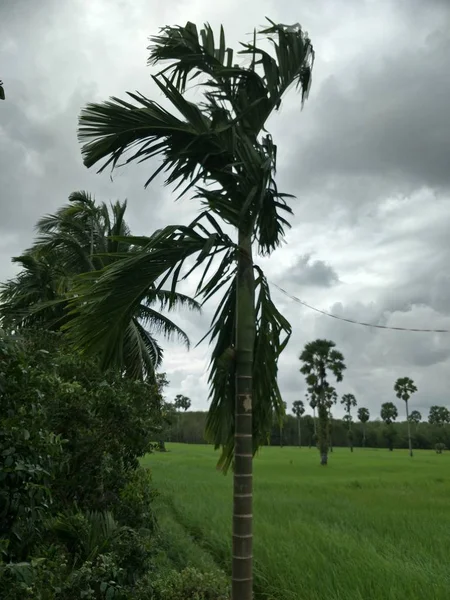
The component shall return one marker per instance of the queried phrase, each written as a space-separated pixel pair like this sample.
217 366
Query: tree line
189 427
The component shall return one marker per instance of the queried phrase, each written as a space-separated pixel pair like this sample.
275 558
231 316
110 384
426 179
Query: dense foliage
423 435
76 509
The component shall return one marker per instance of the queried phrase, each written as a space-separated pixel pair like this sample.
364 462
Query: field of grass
373 525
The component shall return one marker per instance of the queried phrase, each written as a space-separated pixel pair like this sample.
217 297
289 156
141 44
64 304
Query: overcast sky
368 160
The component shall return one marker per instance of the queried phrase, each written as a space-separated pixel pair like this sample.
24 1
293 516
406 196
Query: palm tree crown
82 238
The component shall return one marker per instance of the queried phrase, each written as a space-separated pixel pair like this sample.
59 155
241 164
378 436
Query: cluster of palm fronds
218 148
73 248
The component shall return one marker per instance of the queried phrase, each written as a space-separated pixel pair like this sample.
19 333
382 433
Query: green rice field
373 525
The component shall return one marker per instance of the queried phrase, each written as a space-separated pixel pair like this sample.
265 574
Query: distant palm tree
363 416
80 239
439 415
2 91
222 147
404 387
389 413
415 417
181 402
320 357
298 408
349 402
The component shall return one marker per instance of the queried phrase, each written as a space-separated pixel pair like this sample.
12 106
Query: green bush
189 584
136 499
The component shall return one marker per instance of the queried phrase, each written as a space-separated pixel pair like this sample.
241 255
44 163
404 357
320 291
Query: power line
323 312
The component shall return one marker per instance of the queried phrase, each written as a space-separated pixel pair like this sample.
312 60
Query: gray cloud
307 272
367 159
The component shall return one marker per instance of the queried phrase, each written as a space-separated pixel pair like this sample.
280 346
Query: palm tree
319 358
32 299
438 415
349 402
181 402
389 413
220 147
415 417
81 238
298 408
404 387
363 416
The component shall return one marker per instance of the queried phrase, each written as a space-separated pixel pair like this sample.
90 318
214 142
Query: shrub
135 500
189 584
440 447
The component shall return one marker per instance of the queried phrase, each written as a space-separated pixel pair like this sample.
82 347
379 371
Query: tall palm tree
349 402
404 387
219 147
298 408
80 239
389 413
363 416
319 358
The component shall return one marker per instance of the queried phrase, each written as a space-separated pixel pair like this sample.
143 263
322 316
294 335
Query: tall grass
373 525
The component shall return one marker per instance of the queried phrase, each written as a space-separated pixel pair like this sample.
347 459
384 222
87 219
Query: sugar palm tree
220 149
363 416
319 358
180 403
81 238
404 387
389 413
298 408
349 402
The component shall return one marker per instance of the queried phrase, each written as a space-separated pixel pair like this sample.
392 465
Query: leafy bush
135 500
30 455
190 584
71 488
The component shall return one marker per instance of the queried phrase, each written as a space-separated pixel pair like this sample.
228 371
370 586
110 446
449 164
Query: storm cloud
367 158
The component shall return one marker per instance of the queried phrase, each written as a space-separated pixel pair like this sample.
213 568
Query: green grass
373 525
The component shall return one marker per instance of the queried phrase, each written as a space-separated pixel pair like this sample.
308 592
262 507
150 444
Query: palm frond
106 301
272 335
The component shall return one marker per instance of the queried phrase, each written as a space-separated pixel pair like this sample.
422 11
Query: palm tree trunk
409 430
323 434
314 419
364 435
242 561
299 433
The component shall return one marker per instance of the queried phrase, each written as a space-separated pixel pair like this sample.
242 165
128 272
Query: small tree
389 413
320 357
298 409
363 416
404 387
349 402
415 417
